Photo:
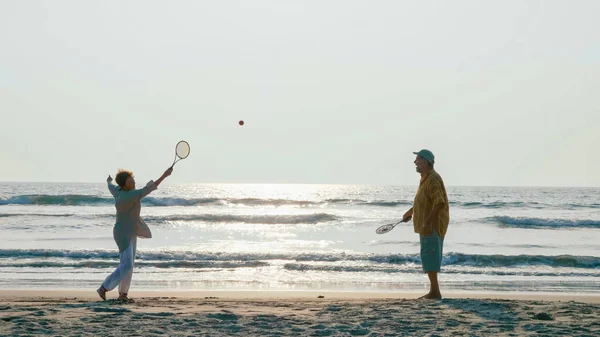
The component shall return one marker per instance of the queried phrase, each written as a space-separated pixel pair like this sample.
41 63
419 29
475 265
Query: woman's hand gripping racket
386 228
182 151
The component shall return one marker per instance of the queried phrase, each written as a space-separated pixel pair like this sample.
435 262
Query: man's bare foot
102 293
431 296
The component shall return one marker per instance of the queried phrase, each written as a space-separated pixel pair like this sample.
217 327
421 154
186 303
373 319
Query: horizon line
287 183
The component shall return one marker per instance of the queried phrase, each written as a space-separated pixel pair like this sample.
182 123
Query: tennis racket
182 151
386 228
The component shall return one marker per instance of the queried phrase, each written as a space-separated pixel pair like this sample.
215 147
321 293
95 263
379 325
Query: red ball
241 123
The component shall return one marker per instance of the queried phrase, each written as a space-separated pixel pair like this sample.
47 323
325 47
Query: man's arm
435 194
435 211
408 215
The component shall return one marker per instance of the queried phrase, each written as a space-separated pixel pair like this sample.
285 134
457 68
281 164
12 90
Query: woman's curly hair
122 176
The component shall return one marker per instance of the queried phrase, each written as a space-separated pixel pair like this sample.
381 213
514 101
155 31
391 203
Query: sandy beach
262 313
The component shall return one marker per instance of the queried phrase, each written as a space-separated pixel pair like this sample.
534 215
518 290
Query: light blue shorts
431 252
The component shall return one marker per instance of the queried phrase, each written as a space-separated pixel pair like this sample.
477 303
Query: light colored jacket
129 222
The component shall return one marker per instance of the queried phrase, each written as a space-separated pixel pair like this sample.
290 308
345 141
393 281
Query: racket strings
384 229
182 151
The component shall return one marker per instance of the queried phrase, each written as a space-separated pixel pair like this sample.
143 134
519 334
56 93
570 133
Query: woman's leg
126 281
125 267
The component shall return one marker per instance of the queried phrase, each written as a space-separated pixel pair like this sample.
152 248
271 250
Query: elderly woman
128 227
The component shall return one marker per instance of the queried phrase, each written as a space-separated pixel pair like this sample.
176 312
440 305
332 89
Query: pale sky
503 92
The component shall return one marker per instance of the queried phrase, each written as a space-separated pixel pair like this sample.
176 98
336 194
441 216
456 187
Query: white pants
122 275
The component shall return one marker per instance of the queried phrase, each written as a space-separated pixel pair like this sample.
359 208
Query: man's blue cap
427 155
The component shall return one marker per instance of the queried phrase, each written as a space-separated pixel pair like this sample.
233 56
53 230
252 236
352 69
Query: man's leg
431 259
434 289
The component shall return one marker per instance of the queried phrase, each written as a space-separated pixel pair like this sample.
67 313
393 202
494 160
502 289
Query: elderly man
430 214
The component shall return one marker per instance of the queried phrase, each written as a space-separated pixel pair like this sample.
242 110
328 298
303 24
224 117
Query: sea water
301 237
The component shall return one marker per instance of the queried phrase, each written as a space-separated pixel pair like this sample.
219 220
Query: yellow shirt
431 192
